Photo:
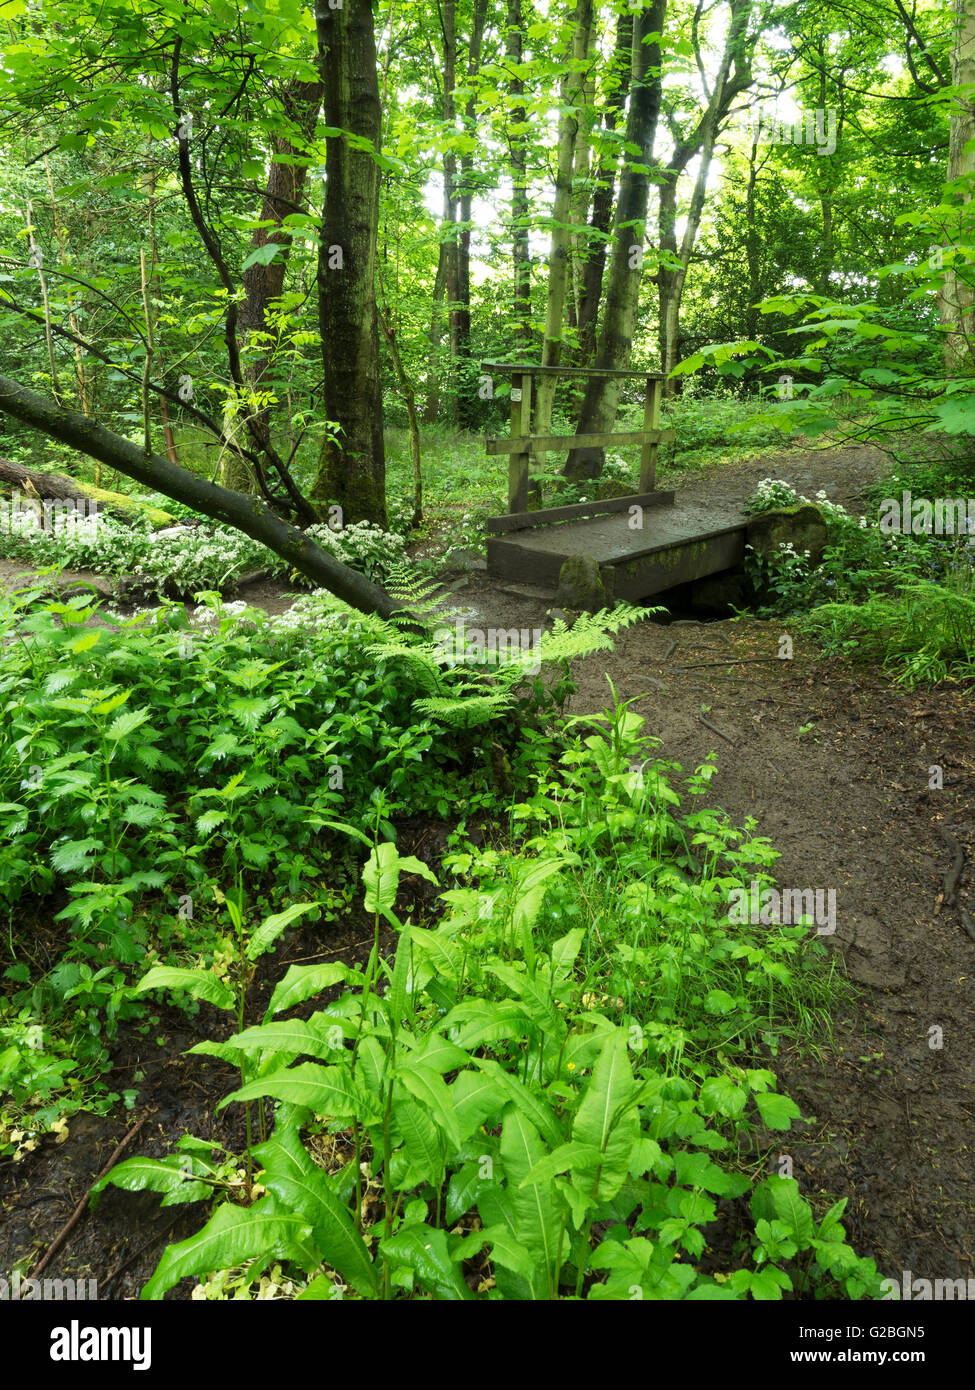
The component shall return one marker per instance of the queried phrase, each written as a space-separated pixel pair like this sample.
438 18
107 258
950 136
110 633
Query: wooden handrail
546 443
526 369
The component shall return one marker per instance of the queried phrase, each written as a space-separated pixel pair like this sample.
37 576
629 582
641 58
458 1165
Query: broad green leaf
302 981
422 1142
530 1212
304 1188
381 877
409 864
171 1176
396 998
272 927
126 724
531 1104
293 1036
202 984
235 1236
428 1087
777 1111
424 1250
325 1090
262 255
604 1120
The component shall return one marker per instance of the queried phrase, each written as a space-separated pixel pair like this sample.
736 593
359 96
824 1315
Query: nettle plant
480 1118
151 760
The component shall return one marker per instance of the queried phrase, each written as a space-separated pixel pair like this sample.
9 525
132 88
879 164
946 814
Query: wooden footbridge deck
643 544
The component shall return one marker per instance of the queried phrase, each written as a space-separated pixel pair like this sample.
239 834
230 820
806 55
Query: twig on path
123 1265
670 648
952 879
730 661
79 1210
715 730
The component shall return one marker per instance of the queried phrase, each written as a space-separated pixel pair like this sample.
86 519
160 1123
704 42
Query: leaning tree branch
248 514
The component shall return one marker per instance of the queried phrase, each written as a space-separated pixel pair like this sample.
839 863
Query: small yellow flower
572 1066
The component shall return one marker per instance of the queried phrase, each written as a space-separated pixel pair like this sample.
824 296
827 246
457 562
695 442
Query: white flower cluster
776 492
188 558
365 547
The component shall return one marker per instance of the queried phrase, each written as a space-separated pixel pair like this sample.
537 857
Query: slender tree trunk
676 256
409 400
466 397
629 232
596 240
81 376
448 243
558 264
352 466
517 160
958 294
752 242
432 408
826 185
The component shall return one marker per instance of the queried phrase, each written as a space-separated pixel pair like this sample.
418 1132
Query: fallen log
57 486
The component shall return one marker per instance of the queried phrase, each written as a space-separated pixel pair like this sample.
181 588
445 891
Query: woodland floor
889 1118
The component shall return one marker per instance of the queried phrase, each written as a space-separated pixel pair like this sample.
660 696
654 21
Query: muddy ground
833 763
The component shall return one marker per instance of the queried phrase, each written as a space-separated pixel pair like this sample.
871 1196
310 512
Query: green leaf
531 1104
302 981
409 864
777 1111
262 255
422 1142
74 855
326 1090
235 1236
396 998
429 1089
566 1156
272 927
304 1188
381 877
424 1250
201 984
529 1210
292 1036
171 1176
126 724
787 1205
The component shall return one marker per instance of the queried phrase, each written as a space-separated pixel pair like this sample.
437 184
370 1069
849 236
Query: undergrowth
547 1093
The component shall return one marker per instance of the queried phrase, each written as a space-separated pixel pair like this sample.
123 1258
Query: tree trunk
351 465
517 159
432 408
673 272
958 294
466 397
629 231
248 514
594 259
283 195
558 264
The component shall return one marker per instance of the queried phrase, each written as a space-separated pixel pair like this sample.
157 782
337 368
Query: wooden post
521 416
651 421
